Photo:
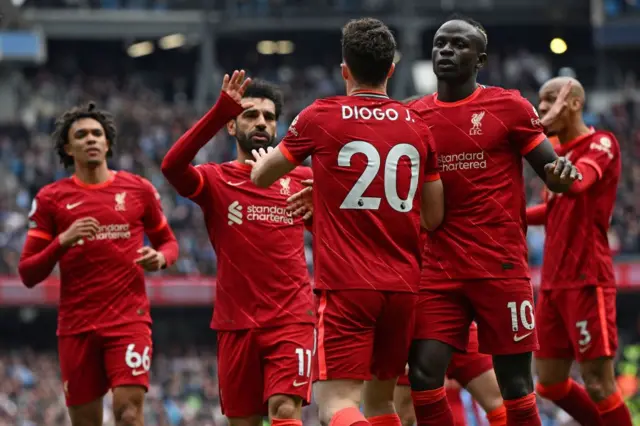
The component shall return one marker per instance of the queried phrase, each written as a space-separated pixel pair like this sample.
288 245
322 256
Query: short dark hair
482 48
368 49
264 90
60 134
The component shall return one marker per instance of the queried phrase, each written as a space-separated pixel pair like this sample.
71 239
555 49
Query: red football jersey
576 249
100 285
371 156
262 279
481 141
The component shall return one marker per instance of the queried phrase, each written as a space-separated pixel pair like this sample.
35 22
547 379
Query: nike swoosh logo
236 183
138 372
517 338
73 206
296 384
584 349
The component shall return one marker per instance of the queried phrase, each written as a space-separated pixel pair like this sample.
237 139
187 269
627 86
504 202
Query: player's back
577 249
481 142
99 283
368 165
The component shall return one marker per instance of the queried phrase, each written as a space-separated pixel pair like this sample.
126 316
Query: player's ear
391 70
575 104
231 127
482 61
67 149
344 70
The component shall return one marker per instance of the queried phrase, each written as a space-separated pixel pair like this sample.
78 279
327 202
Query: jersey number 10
355 200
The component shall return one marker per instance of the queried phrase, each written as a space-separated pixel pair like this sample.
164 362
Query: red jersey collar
369 94
466 100
566 147
109 181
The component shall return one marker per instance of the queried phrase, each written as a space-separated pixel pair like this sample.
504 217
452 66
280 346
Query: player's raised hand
150 260
236 85
258 155
301 203
82 228
558 107
562 172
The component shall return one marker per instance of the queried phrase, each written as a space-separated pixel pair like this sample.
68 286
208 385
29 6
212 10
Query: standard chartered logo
462 161
235 213
272 214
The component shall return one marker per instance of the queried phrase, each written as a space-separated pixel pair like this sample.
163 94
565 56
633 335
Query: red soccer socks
573 399
348 417
522 411
385 420
497 417
432 408
614 412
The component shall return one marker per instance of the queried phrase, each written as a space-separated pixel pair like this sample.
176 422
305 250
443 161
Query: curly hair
60 134
368 49
262 89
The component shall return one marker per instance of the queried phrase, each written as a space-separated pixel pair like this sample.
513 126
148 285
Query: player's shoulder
605 141
55 190
420 103
127 181
507 97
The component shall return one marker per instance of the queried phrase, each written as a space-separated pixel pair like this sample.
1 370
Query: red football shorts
255 364
364 332
577 323
502 308
93 362
464 366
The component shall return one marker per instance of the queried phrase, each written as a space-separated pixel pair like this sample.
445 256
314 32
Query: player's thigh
346 330
466 366
287 353
553 334
394 329
505 315
443 313
128 402
84 378
127 354
591 322
240 374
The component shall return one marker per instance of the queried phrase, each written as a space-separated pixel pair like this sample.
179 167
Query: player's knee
514 375
285 407
128 415
598 383
428 363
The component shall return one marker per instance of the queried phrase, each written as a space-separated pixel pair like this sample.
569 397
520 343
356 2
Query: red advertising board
195 290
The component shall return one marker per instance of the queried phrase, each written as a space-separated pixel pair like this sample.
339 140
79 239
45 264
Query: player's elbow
432 218
167 168
27 277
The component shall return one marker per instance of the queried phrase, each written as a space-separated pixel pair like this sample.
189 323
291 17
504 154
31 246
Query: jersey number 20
355 200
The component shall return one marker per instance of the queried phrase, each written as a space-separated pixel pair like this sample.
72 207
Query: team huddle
419 218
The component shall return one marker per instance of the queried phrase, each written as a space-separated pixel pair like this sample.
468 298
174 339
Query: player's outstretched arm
269 166
432 208
176 165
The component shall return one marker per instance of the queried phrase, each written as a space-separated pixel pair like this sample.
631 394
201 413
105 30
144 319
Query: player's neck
573 132
242 156
93 175
358 88
454 92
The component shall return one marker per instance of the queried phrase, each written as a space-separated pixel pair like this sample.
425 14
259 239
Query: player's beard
247 143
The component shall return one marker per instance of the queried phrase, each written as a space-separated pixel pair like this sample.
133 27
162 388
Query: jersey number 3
355 200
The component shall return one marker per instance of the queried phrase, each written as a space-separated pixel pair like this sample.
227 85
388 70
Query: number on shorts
301 352
355 200
135 360
585 336
524 313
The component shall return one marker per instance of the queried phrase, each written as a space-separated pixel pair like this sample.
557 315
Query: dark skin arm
556 172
